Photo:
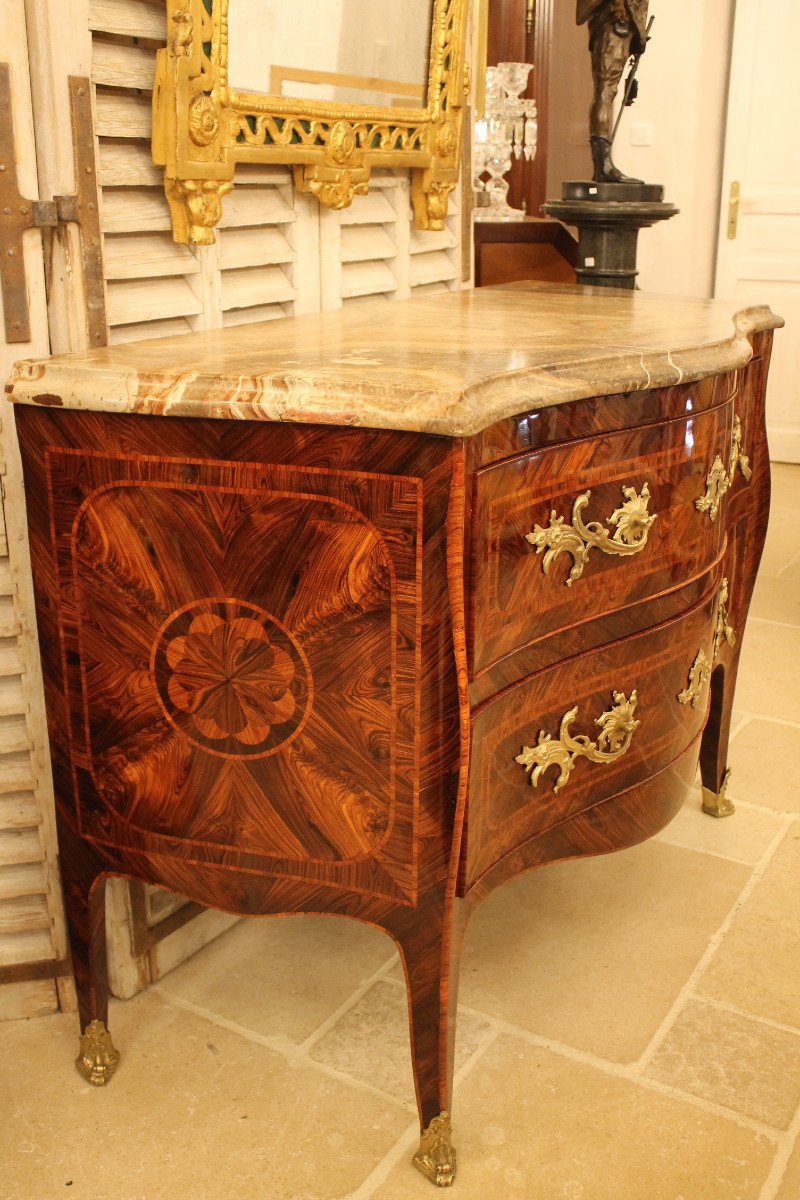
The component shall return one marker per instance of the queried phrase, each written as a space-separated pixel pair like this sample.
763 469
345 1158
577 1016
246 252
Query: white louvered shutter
371 251
32 934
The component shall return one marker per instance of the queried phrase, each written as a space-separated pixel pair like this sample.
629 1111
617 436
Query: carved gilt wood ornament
202 127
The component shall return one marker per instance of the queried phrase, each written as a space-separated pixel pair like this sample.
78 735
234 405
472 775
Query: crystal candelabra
509 130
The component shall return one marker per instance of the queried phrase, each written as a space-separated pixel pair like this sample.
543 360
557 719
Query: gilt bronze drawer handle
632 521
719 480
617 727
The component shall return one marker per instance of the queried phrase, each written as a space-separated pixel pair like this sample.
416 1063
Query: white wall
683 85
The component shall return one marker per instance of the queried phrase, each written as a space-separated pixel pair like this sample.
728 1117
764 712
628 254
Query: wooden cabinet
366 613
537 248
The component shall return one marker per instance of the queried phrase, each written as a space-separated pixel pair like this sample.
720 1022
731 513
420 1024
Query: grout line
403 1147
780 1162
741 724
787 566
718 854
741 1012
767 621
408 1140
766 810
282 1046
755 716
688 988
630 1072
278 1044
771 1132
351 1002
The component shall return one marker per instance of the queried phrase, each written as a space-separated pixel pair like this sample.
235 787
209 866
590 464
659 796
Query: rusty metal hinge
17 214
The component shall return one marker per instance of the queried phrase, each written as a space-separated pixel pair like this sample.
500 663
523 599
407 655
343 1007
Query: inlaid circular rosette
231 678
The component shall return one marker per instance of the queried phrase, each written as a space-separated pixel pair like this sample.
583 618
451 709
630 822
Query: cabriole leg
84 903
714 770
431 959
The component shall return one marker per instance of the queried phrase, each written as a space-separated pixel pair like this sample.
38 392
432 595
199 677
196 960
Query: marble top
449 364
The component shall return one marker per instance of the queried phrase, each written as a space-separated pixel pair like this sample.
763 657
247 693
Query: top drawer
577 531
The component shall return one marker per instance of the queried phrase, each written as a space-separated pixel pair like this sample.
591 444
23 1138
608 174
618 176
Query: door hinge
49 214
17 214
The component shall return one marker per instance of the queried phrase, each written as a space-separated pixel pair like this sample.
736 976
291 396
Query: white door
759 252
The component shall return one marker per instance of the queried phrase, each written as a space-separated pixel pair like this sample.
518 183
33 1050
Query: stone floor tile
593 953
786 485
743 838
777 597
193 1112
371 1042
733 1060
282 977
531 1125
769 680
790 1184
765 765
783 537
757 966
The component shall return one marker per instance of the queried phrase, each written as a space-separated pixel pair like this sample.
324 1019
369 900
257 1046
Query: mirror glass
359 52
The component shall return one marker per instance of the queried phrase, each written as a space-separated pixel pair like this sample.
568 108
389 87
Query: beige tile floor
630 1026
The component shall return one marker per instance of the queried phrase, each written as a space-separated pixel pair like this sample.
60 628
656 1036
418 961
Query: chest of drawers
366 613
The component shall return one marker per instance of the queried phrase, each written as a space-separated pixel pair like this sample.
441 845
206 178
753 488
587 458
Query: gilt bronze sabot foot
98 1059
436 1157
717 804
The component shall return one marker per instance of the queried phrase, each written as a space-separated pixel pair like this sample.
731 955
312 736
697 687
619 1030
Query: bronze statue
617 30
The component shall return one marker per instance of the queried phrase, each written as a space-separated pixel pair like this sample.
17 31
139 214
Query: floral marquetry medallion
230 678
246 685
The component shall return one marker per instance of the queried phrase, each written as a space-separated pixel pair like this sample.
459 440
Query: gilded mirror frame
202 127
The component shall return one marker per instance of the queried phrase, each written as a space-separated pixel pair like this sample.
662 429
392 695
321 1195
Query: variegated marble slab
447 364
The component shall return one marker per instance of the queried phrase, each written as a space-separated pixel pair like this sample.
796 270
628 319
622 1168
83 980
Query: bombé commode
367 612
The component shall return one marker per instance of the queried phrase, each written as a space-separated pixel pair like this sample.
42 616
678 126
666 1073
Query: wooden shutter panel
32 932
152 284
263 264
371 251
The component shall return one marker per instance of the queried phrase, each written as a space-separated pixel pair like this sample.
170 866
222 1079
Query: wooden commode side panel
241 648
571 533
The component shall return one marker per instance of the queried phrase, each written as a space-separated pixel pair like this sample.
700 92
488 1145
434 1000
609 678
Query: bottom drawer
578 733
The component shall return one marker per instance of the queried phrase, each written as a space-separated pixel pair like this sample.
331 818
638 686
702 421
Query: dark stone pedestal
609 217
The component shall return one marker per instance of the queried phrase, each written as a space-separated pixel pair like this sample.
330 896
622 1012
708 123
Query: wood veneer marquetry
258 634
505 810
515 602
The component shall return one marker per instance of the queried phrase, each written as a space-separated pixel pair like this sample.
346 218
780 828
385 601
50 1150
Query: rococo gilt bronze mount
202 127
